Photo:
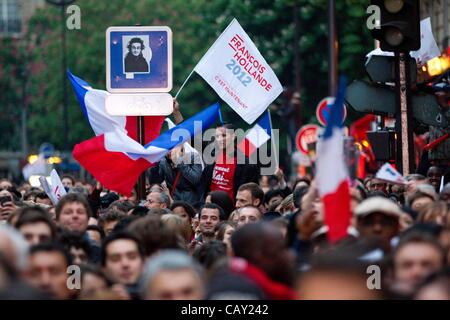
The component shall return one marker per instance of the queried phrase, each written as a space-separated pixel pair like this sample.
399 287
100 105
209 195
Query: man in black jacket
226 173
182 172
134 60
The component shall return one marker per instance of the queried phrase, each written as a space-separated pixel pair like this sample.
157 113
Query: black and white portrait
137 54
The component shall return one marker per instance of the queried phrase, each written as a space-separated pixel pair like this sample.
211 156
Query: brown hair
177 225
35 214
153 234
255 190
222 227
70 198
433 212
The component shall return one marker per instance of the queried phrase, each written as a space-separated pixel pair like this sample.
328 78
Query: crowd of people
222 231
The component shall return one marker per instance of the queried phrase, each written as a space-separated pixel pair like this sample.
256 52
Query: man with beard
134 60
210 216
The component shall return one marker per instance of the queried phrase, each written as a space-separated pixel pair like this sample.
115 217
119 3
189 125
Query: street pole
332 49
64 80
23 117
405 147
298 83
63 4
141 138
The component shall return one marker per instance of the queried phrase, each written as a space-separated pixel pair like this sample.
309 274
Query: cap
380 205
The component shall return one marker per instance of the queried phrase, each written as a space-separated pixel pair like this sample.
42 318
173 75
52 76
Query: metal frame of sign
320 117
138 89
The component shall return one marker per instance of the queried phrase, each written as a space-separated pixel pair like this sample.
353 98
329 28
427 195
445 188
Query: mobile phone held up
5 199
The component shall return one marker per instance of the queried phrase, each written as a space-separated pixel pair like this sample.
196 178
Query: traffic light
378 98
399 29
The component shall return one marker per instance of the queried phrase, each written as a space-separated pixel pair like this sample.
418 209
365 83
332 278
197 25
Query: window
10 18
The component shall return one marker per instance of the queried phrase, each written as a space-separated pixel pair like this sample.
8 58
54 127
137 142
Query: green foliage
195 25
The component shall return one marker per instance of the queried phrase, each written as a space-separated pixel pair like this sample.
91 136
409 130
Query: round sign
307 134
323 110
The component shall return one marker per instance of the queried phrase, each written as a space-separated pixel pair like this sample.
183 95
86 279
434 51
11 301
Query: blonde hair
176 224
233 215
434 212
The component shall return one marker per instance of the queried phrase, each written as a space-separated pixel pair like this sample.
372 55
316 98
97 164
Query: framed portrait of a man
138 59
137 54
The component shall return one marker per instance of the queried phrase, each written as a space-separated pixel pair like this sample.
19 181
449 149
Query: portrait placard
138 59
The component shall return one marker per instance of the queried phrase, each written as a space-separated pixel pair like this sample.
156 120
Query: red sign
307 134
323 110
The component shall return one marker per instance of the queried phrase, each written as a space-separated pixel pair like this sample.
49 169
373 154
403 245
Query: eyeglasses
151 201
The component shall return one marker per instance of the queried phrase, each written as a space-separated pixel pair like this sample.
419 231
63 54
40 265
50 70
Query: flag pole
274 147
141 196
182 86
217 40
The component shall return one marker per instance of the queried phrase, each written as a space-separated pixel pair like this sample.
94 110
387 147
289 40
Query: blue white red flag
113 157
332 174
257 136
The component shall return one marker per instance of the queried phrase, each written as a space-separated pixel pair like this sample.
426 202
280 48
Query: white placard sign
150 104
239 74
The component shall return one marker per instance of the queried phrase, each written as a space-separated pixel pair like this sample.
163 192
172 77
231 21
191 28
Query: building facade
14 15
438 11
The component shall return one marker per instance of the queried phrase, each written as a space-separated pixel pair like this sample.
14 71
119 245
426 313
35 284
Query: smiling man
72 214
210 216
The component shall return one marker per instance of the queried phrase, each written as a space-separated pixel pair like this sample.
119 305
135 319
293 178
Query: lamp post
332 49
63 4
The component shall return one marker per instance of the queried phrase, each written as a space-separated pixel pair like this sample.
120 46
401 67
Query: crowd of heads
269 242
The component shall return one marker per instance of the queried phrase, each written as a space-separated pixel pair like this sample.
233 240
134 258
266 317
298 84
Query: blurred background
36 107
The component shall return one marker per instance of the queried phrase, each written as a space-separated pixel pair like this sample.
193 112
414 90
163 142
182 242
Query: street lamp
63 4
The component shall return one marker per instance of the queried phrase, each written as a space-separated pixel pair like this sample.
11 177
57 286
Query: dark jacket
243 173
135 64
187 188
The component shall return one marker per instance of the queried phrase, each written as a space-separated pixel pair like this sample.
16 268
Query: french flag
92 102
114 157
332 173
257 136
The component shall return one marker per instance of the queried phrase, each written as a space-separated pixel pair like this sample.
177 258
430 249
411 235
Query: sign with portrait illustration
138 59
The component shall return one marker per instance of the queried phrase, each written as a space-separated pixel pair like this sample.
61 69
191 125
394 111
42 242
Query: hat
380 205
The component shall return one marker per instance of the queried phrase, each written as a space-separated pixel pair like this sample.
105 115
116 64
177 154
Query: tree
195 24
